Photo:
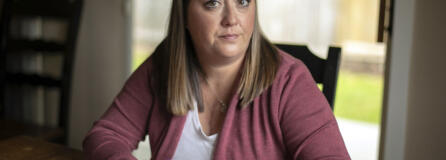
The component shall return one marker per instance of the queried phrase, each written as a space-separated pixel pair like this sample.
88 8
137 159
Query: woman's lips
229 36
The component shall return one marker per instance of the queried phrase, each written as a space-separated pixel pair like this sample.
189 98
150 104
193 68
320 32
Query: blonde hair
178 68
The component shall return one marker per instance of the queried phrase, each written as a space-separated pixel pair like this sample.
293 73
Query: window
352 25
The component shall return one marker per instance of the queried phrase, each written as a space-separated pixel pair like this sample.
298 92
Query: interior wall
102 64
426 120
397 69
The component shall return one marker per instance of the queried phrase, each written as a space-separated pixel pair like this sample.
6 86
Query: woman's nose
229 16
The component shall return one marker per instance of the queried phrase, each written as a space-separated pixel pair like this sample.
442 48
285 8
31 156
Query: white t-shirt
194 143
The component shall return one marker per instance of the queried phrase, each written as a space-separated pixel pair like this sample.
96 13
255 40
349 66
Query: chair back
324 71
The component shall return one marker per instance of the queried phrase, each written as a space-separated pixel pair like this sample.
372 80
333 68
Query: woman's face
221 28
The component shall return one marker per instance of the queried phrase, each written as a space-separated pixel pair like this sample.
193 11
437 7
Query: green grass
138 58
359 97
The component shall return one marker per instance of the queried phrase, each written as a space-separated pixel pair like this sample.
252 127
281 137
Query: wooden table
11 128
27 148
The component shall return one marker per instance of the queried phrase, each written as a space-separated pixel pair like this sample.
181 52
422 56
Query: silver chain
223 106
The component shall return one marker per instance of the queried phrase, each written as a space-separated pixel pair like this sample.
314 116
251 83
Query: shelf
57 9
15 45
33 79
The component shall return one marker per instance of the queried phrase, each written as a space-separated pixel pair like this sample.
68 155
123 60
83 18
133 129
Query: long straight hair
179 70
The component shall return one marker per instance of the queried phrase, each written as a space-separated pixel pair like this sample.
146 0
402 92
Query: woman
215 88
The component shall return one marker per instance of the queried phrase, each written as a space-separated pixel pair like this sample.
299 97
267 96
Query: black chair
324 72
13 43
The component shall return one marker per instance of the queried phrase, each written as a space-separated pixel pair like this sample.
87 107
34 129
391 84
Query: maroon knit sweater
289 120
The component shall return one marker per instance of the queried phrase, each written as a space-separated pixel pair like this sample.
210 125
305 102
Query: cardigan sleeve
123 125
308 125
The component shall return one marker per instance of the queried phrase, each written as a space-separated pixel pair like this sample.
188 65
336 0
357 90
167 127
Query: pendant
223 107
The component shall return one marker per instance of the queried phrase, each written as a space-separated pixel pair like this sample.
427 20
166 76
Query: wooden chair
324 72
66 11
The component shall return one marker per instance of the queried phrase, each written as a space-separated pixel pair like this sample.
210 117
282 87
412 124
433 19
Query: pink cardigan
290 120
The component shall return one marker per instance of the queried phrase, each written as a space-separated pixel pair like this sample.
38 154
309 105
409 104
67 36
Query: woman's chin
231 52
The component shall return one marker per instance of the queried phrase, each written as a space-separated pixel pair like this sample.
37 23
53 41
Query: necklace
223 106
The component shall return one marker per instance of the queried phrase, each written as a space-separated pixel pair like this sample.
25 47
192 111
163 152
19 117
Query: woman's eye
244 3
212 4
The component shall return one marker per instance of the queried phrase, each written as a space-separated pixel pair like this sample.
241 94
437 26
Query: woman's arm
309 127
123 125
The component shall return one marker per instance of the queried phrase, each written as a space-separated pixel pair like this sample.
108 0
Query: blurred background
389 92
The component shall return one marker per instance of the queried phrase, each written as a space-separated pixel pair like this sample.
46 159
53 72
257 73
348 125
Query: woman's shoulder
153 62
145 75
